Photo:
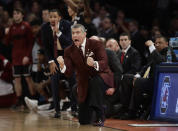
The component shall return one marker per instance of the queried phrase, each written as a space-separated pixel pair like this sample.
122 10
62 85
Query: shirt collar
84 43
125 51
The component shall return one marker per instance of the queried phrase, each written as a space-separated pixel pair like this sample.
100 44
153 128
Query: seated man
129 56
113 45
43 85
134 86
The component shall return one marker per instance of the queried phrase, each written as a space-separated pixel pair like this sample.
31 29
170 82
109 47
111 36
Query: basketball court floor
27 121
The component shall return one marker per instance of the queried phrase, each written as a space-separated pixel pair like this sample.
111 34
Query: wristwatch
95 65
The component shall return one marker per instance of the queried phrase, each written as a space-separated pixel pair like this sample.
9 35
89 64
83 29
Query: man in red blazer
89 61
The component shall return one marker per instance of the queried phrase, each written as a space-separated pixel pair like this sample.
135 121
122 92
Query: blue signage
166 102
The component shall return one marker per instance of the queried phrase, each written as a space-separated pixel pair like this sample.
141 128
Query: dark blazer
156 58
115 66
47 37
132 61
75 61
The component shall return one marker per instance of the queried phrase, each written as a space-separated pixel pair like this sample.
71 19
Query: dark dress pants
141 86
93 102
126 90
55 90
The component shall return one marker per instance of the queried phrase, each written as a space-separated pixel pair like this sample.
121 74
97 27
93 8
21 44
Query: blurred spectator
96 9
1 14
20 36
75 17
81 18
137 40
162 12
17 4
106 29
121 23
30 17
36 26
45 15
113 45
35 8
173 29
5 18
102 14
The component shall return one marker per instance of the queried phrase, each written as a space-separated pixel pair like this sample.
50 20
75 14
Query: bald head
113 45
95 37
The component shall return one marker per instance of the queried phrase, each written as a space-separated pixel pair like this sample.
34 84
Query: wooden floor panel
25 121
123 125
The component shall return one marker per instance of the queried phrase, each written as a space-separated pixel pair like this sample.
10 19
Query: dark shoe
99 122
57 115
120 112
66 105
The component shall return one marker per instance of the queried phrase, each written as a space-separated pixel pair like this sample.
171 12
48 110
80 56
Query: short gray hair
79 26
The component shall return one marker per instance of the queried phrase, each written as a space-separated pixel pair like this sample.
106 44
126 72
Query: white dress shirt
83 50
58 35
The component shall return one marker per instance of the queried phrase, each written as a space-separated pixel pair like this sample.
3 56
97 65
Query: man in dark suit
129 57
134 86
88 59
56 36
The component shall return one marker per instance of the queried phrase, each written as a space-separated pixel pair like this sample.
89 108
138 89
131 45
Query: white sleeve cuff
59 34
137 75
50 61
63 70
97 66
152 48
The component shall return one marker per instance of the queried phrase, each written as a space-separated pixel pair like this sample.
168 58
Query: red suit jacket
76 61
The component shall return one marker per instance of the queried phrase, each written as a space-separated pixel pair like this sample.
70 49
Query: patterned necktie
80 49
122 57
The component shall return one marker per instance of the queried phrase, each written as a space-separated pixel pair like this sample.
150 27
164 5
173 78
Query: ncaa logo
164 94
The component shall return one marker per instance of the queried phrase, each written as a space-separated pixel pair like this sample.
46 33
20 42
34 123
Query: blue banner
167 96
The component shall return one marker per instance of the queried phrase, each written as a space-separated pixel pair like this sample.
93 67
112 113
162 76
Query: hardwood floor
24 121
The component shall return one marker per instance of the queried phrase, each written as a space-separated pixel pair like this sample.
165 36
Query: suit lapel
60 25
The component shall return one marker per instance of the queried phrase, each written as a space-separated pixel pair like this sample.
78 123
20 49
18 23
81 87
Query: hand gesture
149 43
60 60
53 68
90 61
56 28
25 60
110 91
